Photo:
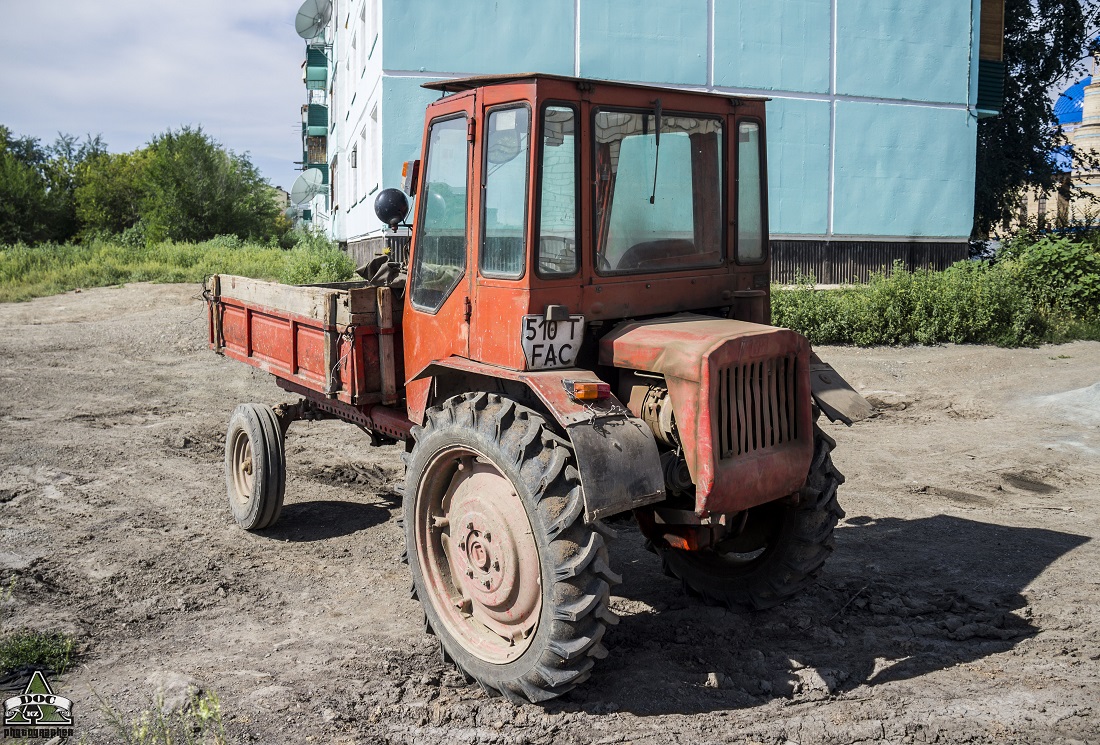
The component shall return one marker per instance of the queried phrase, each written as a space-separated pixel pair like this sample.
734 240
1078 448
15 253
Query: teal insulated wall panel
913 51
403 104
773 45
664 42
798 166
470 36
903 170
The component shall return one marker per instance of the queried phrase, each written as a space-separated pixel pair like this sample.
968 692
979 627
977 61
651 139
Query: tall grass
34 271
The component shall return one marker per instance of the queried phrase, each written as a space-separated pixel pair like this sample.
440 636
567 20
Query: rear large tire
792 542
255 466
511 579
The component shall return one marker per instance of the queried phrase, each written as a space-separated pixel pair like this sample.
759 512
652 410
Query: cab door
504 170
436 322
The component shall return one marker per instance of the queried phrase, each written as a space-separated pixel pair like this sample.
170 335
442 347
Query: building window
366 166
353 177
375 148
366 40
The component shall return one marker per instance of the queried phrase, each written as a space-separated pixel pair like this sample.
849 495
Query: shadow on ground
321 520
899 599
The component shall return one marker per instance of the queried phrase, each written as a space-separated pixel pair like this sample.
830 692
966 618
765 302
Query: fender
834 396
616 453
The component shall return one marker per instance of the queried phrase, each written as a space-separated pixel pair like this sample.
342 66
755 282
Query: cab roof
457 85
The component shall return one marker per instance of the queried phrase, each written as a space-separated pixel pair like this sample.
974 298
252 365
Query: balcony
315 120
316 75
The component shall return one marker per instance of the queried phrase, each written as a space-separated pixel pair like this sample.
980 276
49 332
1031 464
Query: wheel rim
242 468
478 555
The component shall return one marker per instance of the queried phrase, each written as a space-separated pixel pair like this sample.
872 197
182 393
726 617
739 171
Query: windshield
659 202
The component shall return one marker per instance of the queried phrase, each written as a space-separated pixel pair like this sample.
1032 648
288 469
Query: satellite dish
291 212
307 186
312 18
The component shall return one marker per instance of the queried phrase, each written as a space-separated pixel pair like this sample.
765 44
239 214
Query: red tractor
583 333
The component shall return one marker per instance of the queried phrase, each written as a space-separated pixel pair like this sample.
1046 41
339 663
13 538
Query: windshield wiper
657 155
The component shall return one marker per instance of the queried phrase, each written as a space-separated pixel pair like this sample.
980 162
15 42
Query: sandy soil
960 605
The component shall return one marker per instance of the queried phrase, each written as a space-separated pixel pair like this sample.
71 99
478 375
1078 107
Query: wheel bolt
486 583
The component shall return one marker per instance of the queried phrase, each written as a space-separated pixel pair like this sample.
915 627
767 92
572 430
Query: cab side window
440 261
505 198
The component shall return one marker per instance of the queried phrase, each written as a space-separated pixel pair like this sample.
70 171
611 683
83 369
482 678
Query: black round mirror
391 206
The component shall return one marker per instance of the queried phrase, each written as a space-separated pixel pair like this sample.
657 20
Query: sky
130 69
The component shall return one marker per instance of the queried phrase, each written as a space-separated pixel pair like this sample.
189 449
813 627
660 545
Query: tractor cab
543 197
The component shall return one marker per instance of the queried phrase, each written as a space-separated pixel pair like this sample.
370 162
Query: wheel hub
481 561
242 474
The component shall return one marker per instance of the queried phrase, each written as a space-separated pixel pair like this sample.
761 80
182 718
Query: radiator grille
757 406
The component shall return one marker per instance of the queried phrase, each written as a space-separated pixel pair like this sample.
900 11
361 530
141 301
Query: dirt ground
960 604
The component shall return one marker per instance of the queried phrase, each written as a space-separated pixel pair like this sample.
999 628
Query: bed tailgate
336 339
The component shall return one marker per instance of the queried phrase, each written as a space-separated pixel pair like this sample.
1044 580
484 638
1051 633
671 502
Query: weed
199 722
52 651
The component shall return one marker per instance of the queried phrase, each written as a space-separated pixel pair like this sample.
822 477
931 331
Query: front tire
255 466
789 545
511 579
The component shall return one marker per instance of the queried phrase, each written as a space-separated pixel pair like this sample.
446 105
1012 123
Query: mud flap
619 465
832 394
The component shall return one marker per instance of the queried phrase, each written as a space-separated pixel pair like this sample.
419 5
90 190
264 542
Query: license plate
550 344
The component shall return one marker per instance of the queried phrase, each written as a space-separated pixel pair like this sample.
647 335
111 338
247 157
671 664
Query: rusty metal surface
836 399
384 420
481 318
616 454
546 384
746 438
350 361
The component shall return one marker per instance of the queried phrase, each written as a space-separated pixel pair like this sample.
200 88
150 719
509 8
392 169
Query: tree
29 208
195 190
1046 41
110 191
37 186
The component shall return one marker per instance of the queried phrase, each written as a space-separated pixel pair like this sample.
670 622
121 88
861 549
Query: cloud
130 70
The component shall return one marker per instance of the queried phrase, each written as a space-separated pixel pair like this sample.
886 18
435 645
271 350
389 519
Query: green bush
1039 290
1062 276
316 259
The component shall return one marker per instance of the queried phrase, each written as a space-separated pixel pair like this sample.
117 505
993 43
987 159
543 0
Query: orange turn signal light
583 390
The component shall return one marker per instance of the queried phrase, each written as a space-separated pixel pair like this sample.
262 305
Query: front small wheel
781 550
255 466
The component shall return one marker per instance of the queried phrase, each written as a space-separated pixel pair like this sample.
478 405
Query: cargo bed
335 341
